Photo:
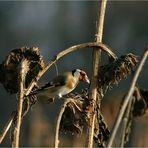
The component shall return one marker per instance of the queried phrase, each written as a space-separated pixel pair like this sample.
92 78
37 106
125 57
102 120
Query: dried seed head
8 68
117 70
72 119
75 118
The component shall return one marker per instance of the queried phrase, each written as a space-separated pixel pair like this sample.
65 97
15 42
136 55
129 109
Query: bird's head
81 75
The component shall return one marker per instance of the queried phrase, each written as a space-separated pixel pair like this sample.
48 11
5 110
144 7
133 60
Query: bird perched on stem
62 84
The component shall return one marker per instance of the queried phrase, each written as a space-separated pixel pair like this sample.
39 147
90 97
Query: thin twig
127 98
7 126
56 141
96 63
22 72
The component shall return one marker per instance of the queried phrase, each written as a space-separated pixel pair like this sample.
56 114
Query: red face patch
82 75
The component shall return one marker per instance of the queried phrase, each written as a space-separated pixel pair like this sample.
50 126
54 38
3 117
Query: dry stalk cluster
9 75
125 109
10 72
18 70
117 70
137 107
76 114
79 110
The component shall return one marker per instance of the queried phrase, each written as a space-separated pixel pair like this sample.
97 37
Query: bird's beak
86 79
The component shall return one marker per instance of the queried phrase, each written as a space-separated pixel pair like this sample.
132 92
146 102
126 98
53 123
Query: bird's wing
58 81
55 83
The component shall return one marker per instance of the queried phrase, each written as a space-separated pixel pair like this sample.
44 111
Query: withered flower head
117 70
9 67
75 119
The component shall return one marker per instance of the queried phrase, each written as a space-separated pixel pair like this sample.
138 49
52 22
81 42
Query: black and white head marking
75 72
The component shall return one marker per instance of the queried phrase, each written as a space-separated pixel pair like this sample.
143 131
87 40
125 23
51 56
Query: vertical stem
22 69
15 143
96 62
127 99
56 140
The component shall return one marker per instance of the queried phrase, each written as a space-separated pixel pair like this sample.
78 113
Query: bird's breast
71 83
65 91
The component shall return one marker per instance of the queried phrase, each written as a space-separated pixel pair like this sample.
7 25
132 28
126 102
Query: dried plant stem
96 62
127 98
23 71
7 126
125 123
56 141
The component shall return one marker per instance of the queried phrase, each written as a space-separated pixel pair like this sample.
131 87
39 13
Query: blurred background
53 26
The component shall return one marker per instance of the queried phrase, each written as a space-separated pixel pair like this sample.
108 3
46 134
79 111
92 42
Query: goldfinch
62 84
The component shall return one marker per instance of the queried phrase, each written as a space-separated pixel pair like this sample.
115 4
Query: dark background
53 26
